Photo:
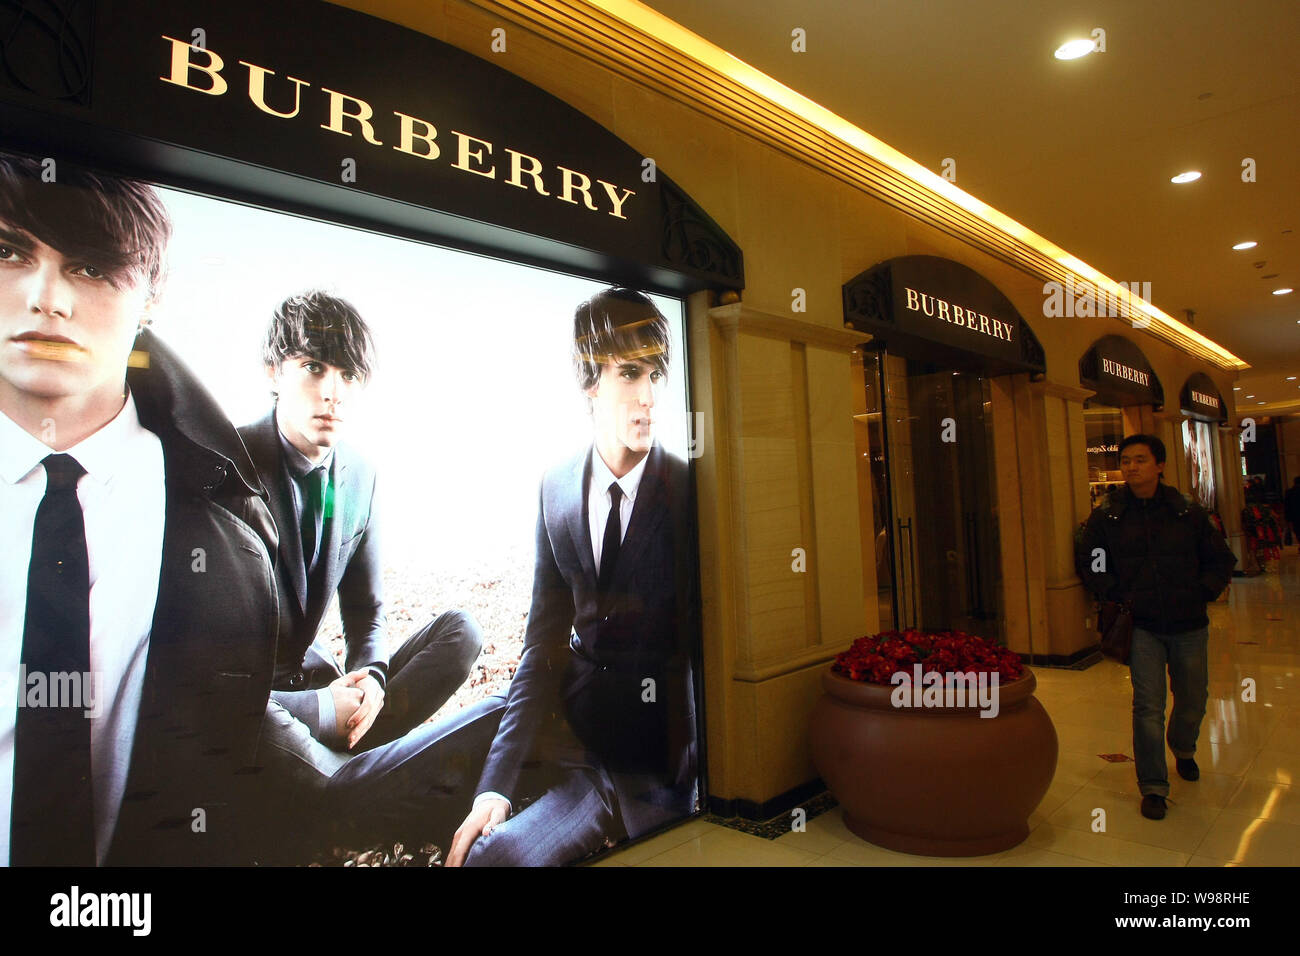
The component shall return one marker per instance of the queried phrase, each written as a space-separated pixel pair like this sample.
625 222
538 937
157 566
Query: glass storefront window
1198 445
873 482
1104 430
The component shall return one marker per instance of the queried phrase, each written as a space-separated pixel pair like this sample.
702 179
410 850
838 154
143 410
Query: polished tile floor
1245 809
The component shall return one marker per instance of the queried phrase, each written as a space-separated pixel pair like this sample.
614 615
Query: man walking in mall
1150 546
1291 503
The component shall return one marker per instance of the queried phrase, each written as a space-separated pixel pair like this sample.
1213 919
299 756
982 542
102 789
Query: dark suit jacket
585 660
1291 503
349 562
212 642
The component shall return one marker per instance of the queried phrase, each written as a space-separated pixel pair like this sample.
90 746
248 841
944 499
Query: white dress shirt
123 504
599 502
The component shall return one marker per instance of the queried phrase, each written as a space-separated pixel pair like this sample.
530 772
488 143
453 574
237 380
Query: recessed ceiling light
1188 177
1250 396
1283 291
1073 49
1259 403
1236 388
1290 378
1249 244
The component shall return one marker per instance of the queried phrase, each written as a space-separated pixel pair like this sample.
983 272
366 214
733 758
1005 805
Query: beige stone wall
777 390
788 493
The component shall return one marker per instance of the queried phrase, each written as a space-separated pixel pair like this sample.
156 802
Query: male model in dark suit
597 743
138 549
353 737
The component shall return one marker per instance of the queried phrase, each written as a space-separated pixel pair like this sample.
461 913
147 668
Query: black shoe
1187 769
1153 806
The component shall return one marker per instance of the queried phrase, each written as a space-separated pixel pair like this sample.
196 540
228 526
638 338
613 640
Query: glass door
873 483
943 497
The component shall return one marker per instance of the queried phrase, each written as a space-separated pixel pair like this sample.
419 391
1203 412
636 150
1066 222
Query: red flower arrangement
874 659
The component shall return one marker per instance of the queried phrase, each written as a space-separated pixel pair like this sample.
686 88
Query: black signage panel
930 308
333 111
1120 374
1200 398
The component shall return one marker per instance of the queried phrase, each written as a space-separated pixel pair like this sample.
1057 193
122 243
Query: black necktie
313 506
52 821
613 537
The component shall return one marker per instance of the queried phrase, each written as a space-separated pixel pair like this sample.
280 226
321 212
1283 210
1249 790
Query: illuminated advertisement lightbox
383 548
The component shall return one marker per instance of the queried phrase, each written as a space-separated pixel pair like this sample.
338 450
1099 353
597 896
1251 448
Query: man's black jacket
1162 553
1291 502
193 791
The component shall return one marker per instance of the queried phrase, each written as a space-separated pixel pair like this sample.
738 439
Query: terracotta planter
937 781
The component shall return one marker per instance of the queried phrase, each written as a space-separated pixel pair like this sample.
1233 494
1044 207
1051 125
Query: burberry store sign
945 311
1120 370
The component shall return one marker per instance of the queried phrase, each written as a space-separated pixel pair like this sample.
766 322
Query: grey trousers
405 780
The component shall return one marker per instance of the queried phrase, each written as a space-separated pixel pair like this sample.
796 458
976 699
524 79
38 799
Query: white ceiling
1082 151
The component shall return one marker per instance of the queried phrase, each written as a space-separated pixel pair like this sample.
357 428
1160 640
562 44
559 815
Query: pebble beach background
495 591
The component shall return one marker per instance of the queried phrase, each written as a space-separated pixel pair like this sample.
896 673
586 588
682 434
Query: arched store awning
1117 370
1201 398
929 308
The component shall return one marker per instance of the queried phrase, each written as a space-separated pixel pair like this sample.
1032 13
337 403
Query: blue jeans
1187 657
